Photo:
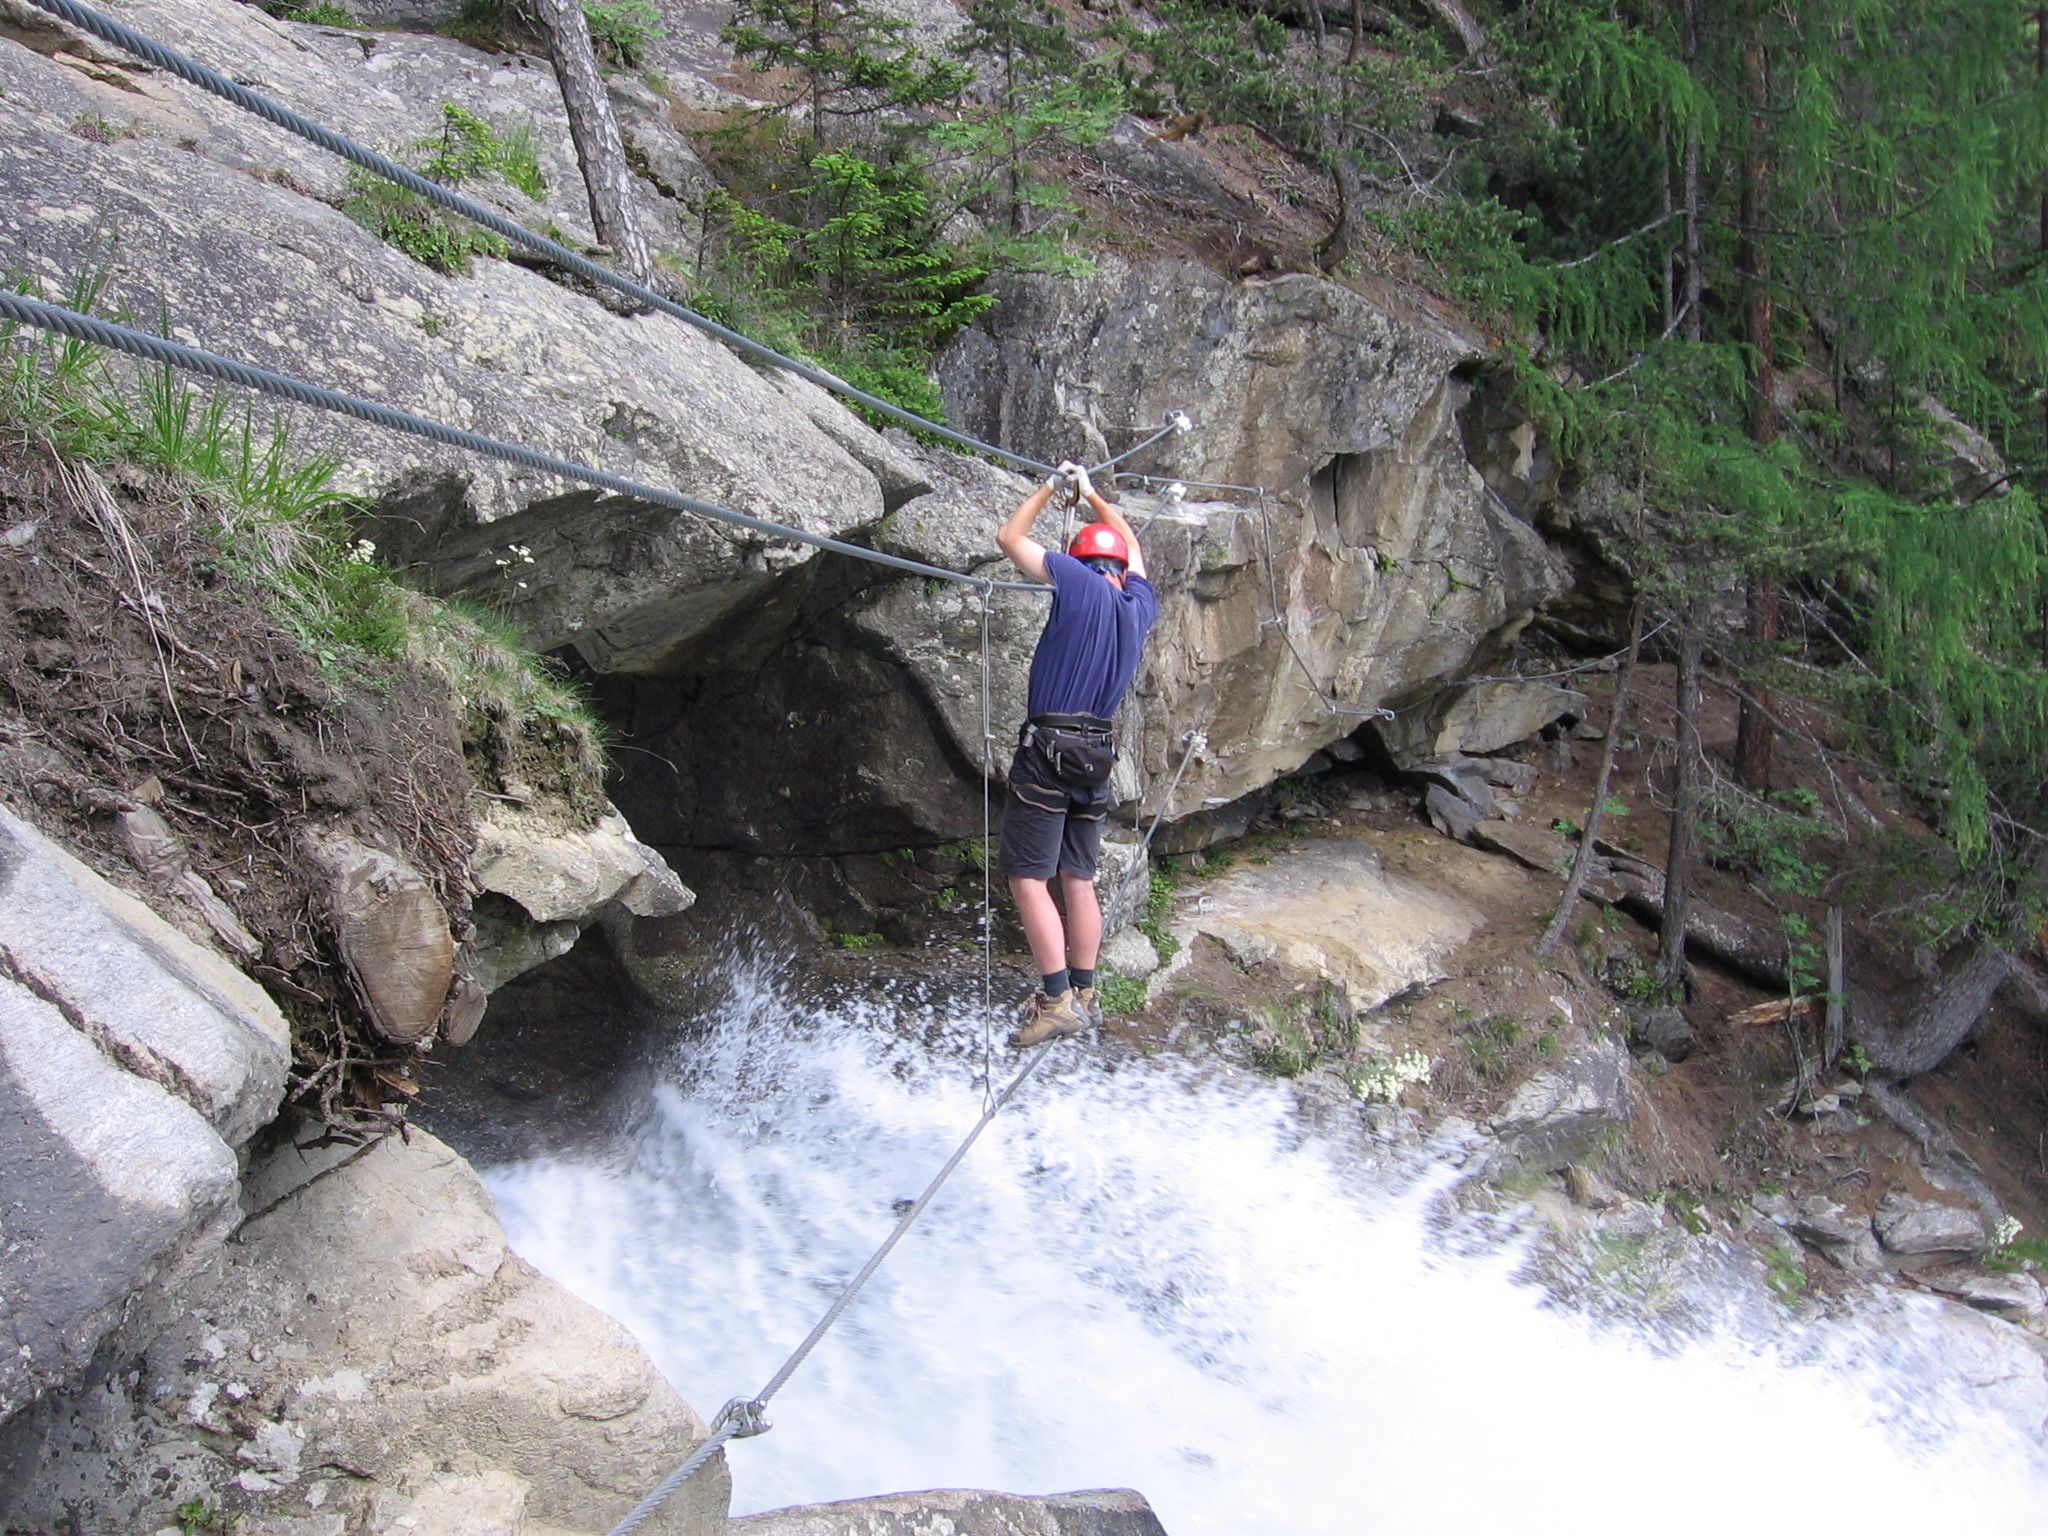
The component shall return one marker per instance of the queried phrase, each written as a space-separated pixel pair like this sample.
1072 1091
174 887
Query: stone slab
164 1007
106 1181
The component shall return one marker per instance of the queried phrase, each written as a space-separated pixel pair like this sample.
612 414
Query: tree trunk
1695 284
1937 1016
599 149
1754 737
1832 1037
1337 244
1685 810
1461 21
1583 863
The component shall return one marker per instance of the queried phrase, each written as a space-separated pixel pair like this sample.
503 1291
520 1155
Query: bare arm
1015 540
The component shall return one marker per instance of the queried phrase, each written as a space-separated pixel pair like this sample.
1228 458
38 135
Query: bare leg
1043 930
1084 920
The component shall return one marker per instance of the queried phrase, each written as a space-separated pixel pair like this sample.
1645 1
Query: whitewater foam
1156 1276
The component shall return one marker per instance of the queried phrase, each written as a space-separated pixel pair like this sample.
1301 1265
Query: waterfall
1163 1275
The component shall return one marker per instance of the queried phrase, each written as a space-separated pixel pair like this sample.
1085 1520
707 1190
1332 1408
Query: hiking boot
1049 1017
1091 1004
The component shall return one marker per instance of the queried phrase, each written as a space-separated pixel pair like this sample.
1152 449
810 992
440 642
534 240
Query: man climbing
1102 606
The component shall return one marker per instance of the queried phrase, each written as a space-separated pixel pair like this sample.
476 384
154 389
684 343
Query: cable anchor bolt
1180 423
748 1417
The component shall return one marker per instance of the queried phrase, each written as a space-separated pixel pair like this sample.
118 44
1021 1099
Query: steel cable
158 349
148 49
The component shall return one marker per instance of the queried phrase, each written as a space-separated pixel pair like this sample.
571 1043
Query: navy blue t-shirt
1092 640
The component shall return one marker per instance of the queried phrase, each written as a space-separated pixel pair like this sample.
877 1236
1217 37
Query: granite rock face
1391 563
228 229
368 1356
149 999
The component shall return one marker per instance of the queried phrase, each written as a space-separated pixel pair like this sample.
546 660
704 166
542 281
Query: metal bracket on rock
748 1418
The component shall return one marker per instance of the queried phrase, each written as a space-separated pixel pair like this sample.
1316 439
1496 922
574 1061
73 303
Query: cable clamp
1175 492
1178 420
748 1417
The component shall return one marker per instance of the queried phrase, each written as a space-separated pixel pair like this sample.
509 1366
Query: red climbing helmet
1101 540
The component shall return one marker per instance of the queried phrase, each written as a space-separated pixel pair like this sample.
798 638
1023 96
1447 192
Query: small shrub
1158 908
322 14
623 30
468 148
1120 994
861 943
1490 1045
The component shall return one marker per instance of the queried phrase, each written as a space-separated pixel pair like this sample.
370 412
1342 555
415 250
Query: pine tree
850 62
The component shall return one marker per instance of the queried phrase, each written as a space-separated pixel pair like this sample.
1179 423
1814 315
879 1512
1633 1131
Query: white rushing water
1153 1277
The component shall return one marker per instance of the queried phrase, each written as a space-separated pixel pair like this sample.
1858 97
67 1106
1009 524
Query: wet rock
1476 718
963 1512
1247 950
1588 1189
1665 1030
504 942
544 887
149 998
1926 1229
2016 1296
567 876
371 1306
1845 1240
1560 1114
393 932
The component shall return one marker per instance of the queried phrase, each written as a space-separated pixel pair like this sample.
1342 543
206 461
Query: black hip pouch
1078 748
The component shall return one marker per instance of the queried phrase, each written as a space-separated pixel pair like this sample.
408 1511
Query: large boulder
150 1000
109 1180
227 231
133 1062
542 884
1331 910
1559 1115
368 1355
1391 563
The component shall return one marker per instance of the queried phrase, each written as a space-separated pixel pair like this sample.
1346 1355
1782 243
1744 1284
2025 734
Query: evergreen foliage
622 31
1041 94
468 148
848 63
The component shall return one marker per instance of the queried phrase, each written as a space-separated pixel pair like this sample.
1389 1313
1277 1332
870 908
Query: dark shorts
1049 826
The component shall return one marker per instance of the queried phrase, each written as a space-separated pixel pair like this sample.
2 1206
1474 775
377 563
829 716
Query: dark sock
1082 978
1056 983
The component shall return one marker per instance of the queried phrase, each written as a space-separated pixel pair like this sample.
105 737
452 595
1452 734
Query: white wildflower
1382 1078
